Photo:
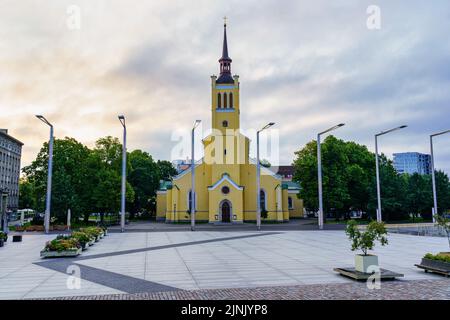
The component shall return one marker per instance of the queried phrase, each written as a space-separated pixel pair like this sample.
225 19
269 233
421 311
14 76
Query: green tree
144 177
166 170
443 191
27 198
68 157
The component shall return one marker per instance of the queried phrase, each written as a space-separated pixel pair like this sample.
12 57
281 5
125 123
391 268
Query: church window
231 100
225 105
219 100
190 200
262 200
225 190
290 203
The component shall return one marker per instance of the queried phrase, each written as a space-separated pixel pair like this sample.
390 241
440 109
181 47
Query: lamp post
258 178
49 175
433 178
379 218
319 171
124 173
193 207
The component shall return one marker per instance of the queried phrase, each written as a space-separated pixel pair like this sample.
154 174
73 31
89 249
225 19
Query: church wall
235 197
161 205
268 184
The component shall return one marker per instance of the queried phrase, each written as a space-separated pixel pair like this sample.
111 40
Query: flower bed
61 247
73 244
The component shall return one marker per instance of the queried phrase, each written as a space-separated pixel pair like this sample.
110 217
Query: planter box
363 262
56 254
2 243
91 243
435 264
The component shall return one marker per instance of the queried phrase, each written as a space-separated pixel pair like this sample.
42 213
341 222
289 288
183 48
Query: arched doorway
225 211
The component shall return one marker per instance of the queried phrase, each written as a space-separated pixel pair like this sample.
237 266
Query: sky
305 65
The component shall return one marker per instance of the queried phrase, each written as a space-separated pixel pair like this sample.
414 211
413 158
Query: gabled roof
225 177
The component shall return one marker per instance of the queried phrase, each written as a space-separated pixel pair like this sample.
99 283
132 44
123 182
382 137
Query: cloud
305 66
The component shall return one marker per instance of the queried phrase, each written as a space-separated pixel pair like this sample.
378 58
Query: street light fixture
319 171
193 204
379 218
124 172
258 178
49 175
433 178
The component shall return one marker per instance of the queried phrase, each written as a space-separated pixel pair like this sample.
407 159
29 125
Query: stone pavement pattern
186 261
392 290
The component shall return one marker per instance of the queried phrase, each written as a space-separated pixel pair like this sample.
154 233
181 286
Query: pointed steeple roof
225 60
225 44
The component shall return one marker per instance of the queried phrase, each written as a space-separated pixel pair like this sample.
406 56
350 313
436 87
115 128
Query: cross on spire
225 21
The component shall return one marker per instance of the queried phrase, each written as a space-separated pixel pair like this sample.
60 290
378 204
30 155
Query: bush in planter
365 241
438 257
82 237
3 236
62 244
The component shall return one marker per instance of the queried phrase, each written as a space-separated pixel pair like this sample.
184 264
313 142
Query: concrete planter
91 243
362 263
436 264
2 243
60 254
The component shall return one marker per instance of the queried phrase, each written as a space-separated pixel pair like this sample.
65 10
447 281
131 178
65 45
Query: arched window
231 100
219 100
190 201
225 100
290 203
224 123
262 200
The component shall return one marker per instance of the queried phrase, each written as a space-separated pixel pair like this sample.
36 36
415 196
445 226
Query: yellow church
225 178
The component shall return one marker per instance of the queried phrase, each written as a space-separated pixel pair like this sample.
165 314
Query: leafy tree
365 240
144 177
443 191
27 198
68 157
166 170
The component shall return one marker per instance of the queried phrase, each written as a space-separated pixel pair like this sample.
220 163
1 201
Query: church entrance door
226 212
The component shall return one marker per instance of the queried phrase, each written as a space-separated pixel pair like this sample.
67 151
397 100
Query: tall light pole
379 217
193 207
124 173
258 178
433 178
49 175
319 172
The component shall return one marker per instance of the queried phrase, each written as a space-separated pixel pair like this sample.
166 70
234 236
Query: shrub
92 231
438 257
3 236
264 213
82 237
366 240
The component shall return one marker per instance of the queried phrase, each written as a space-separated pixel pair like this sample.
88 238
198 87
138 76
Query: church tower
225 93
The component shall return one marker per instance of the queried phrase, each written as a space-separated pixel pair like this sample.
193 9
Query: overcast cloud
304 65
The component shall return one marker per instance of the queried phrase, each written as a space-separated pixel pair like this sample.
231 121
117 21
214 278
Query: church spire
225 60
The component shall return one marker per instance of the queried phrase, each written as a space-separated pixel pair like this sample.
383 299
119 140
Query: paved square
166 261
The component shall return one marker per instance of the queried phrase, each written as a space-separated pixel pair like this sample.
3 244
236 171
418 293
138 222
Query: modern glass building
412 162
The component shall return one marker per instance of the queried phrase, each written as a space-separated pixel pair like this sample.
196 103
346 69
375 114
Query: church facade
225 178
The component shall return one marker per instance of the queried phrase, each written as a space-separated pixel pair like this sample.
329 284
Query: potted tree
365 241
